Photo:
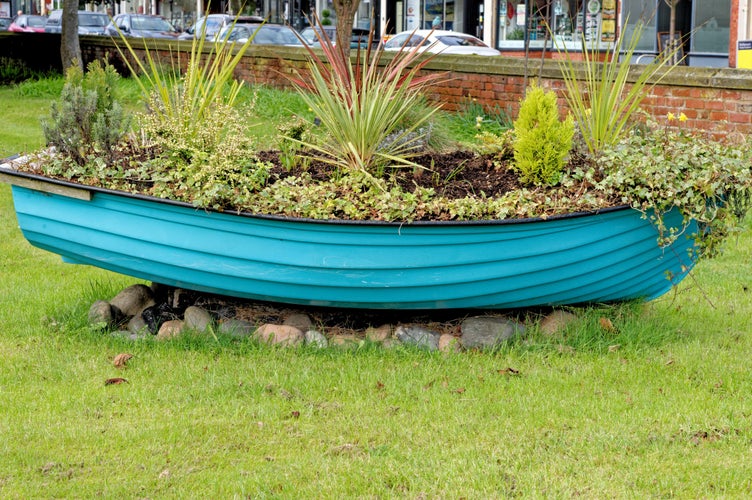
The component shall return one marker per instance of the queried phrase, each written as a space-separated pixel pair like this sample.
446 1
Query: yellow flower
682 117
670 117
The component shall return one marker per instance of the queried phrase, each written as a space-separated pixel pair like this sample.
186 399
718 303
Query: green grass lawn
660 407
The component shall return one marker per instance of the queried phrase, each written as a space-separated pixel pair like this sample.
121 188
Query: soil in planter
460 174
455 175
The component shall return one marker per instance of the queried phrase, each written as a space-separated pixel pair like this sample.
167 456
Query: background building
715 33
703 26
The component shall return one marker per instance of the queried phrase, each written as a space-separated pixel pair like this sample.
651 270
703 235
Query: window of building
438 14
712 21
569 20
640 11
704 26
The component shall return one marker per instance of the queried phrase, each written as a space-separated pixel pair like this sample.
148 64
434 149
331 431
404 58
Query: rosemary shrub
87 120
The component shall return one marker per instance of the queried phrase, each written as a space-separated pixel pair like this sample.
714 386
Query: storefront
702 27
519 22
467 16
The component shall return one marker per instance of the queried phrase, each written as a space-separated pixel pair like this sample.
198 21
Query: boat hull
609 256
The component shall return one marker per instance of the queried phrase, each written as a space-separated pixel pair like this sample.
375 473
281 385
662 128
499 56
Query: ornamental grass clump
542 141
181 103
604 96
373 117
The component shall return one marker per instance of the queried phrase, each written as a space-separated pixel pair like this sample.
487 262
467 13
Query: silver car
89 23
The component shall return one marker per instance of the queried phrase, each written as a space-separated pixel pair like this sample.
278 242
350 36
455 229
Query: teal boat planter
608 256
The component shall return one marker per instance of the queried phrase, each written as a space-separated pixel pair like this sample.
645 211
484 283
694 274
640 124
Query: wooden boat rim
67 188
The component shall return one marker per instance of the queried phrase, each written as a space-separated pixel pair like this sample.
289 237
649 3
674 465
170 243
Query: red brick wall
713 99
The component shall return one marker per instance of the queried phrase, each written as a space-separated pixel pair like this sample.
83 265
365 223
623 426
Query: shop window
438 14
640 11
569 20
712 21
705 23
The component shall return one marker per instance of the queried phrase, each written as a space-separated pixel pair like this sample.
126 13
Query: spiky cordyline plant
364 105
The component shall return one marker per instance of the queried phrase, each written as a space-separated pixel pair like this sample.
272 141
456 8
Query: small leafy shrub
213 166
87 120
293 134
14 71
326 17
542 141
500 145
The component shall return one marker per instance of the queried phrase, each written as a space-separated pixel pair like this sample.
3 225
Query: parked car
141 26
5 23
26 23
263 34
89 23
439 41
359 36
209 26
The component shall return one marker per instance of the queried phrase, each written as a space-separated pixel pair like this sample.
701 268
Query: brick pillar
734 31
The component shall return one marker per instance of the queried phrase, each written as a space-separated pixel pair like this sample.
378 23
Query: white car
438 41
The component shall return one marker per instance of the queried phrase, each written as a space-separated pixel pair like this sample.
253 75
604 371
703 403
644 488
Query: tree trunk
672 44
70 49
345 10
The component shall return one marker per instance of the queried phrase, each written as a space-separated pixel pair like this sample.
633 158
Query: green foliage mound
15 71
542 140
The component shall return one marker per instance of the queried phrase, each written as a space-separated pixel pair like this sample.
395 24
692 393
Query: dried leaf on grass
346 449
121 360
508 371
115 381
607 325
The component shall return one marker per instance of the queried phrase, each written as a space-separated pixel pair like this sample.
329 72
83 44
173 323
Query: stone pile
141 311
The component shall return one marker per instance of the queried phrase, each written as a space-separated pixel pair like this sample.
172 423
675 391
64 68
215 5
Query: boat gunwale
4 168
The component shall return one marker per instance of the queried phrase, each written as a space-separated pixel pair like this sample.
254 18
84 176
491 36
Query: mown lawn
658 407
